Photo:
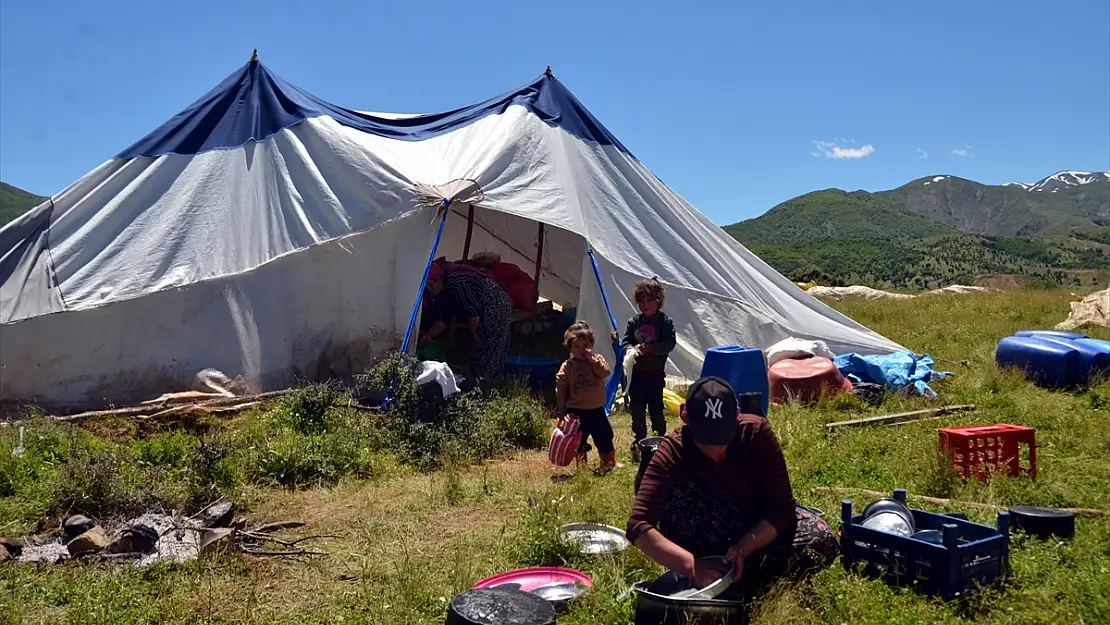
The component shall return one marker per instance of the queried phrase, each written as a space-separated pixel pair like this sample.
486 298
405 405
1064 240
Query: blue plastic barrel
535 372
1096 343
1053 333
744 368
1046 363
1095 359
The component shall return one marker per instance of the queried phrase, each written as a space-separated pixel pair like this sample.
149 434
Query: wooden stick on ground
145 410
274 527
1089 513
299 552
901 417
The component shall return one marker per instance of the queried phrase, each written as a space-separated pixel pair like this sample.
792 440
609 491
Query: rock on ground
1091 310
215 540
135 538
218 515
12 546
92 541
76 525
866 292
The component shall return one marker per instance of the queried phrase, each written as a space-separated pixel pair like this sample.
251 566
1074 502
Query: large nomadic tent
270 235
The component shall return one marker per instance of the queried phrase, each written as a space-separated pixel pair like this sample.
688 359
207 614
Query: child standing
580 391
652 335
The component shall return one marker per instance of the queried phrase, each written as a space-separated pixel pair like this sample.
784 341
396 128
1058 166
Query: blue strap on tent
424 279
391 394
616 380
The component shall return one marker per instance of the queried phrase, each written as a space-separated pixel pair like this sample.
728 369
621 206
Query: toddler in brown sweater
580 391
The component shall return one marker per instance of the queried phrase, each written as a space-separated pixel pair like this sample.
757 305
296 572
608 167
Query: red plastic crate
981 450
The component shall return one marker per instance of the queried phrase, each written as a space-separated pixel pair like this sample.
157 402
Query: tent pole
424 279
469 232
539 265
616 380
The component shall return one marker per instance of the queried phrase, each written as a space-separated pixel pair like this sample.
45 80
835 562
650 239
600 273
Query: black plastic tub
654 608
499 606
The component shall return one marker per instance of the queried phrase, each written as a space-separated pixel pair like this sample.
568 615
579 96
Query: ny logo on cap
713 408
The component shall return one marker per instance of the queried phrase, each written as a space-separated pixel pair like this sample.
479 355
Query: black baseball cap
711 411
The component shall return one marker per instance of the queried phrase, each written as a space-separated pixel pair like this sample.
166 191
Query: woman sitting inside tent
465 291
719 487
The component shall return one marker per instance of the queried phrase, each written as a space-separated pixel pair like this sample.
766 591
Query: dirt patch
524 468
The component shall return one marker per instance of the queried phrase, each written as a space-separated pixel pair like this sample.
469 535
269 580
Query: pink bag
565 441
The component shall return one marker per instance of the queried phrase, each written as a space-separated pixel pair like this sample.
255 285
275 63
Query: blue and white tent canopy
269 234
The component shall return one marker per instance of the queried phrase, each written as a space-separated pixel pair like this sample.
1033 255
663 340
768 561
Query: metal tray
594 538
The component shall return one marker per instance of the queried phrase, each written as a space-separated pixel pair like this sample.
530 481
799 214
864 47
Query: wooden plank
131 411
1090 513
901 417
539 263
469 232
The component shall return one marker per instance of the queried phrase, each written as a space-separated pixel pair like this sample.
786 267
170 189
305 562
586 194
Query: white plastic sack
630 356
438 372
792 348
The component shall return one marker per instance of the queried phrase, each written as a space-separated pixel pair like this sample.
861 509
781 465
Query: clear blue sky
736 105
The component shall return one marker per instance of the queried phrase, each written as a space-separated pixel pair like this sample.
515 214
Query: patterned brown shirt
753 477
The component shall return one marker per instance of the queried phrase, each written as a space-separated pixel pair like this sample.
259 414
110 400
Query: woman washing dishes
718 486
471 293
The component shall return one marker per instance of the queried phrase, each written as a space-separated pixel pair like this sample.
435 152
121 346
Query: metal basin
594 538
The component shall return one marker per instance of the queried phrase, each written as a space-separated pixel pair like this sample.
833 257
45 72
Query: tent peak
254 56
547 72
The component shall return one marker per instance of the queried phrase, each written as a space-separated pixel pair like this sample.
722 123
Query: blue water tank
1095 359
1096 343
744 368
1052 333
1047 363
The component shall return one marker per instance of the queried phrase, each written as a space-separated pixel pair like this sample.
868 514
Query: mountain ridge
15 201
939 229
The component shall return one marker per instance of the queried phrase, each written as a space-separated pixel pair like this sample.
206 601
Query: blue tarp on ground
895 371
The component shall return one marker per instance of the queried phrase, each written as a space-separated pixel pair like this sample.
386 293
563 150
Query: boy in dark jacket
652 335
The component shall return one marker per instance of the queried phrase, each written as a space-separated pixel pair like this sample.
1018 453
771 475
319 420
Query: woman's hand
736 557
424 341
704 573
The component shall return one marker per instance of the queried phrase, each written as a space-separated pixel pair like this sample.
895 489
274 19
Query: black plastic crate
973 555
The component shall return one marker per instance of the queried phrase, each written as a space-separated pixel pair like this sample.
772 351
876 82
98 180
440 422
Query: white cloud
922 153
833 149
963 152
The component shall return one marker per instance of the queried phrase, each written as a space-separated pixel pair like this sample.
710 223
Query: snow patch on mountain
1063 180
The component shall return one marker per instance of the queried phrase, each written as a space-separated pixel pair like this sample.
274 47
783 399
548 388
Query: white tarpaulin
271 235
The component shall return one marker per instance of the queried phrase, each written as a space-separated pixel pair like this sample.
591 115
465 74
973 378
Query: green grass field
425 511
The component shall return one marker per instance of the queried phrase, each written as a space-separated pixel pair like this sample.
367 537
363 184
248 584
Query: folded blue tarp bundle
894 371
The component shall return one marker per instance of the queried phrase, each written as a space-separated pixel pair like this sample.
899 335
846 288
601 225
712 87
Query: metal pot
653 608
889 515
647 449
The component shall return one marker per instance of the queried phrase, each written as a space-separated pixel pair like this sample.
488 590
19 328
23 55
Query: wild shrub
96 482
537 540
307 408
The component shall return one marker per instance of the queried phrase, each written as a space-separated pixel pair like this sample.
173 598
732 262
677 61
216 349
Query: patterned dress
705 524
476 295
